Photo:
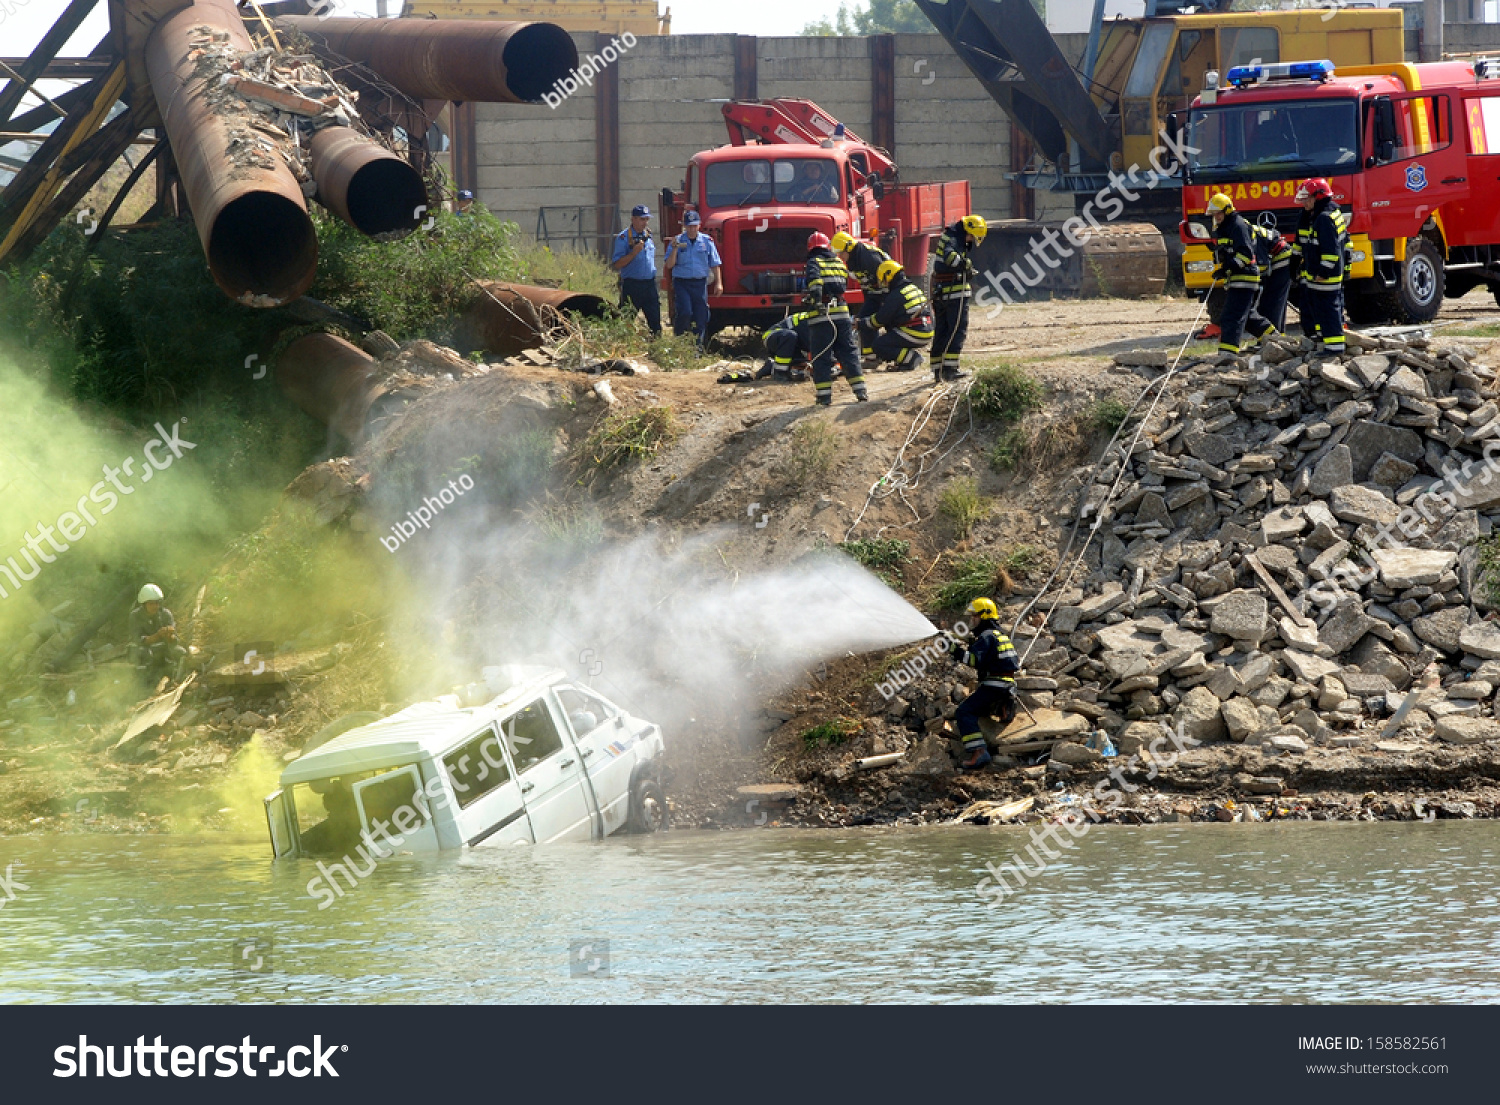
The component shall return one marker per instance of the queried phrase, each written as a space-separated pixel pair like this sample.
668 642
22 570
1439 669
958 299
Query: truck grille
775 245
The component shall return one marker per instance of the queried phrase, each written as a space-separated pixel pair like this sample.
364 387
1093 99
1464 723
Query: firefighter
830 332
990 653
787 348
863 262
950 294
1322 236
153 637
905 317
1274 253
1234 249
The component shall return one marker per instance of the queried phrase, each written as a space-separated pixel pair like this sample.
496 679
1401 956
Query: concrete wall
671 93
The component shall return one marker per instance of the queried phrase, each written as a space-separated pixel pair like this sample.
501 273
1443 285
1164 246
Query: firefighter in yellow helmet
904 323
863 261
990 653
950 293
1239 269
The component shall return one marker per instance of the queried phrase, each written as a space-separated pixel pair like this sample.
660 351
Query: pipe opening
263 244
537 56
385 196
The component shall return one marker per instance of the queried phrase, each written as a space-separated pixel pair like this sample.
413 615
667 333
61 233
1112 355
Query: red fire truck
1412 152
791 169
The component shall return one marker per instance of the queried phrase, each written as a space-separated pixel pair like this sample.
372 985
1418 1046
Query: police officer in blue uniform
634 259
693 264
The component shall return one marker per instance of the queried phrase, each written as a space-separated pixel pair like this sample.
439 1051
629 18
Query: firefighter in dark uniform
863 262
990 653
1322 236
788 347
830 332
904 322
950 294
153 637
1234 250
1274 253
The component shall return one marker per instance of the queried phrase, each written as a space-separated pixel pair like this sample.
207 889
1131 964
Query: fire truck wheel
1418 294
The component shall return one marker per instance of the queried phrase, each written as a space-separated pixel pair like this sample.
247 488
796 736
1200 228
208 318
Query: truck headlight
1357 254
1200 266
1196 229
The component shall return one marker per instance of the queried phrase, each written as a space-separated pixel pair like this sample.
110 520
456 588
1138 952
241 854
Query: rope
1159 385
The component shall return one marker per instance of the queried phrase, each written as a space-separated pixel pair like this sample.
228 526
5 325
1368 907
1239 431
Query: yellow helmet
886 273
975 227
842 241
984 609
1219 204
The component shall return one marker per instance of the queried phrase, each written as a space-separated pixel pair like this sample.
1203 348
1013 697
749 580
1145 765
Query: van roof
422 730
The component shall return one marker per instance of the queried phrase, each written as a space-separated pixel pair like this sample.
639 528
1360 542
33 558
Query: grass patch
677 352
1106 414
1006 393
884 556
829 733
974 577
962 504
815 446
1488 330
564 268
1008 451
621 437
1489 566
1023 559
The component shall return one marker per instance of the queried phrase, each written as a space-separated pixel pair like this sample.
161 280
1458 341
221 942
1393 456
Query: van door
550 773
1422 168
392 807
1476 217
487 798
279 821
602 739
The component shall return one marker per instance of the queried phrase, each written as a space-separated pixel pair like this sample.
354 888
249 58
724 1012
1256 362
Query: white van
523 757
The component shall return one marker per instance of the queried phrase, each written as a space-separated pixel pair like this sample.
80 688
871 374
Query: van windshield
812 180
1267 141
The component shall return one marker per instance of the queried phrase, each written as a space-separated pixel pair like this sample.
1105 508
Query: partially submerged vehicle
525 756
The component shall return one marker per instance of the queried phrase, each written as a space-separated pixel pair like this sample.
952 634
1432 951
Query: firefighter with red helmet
1322 238
830 332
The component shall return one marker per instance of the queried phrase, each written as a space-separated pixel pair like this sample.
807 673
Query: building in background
639 17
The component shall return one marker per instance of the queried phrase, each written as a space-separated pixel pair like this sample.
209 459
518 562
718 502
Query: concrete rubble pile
1290 553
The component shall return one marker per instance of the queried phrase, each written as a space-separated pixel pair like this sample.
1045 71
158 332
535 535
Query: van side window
477 768
585 712
532 736
1423 125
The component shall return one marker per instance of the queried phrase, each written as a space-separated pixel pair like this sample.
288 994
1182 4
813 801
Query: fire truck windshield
1268 140
813 180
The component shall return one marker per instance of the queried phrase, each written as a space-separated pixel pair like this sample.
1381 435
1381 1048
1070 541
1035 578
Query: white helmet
149 593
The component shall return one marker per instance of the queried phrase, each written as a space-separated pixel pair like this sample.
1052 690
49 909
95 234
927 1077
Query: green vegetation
622 436
974 577
1023 559
1489 566
815 447
1106 414
884 556
579 272
835 731
1008 450
1006 393
876 17
962 504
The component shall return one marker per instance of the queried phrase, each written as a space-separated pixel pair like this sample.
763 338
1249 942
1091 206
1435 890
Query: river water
1201 913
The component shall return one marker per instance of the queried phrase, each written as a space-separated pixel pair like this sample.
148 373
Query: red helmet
1315 188
817 240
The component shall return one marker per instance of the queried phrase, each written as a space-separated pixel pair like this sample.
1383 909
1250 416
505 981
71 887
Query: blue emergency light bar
1320 71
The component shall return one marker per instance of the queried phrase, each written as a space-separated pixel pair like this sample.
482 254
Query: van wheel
648 807
1418 294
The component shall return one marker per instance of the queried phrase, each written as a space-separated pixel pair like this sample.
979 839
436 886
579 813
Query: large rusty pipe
506 318
252 219
365 184
331 380
450 59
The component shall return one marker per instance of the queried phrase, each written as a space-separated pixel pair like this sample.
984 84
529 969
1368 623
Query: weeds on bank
1023 560
621 437
1006 393
884 556
974 577
1106 414
829 733
565 268
815 447
1489 566
962 504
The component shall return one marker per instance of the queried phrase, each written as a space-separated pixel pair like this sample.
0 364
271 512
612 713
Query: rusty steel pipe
253 221
506 318
450 59
365 184
331 380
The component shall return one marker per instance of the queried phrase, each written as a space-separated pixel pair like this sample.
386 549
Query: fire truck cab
1412 152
